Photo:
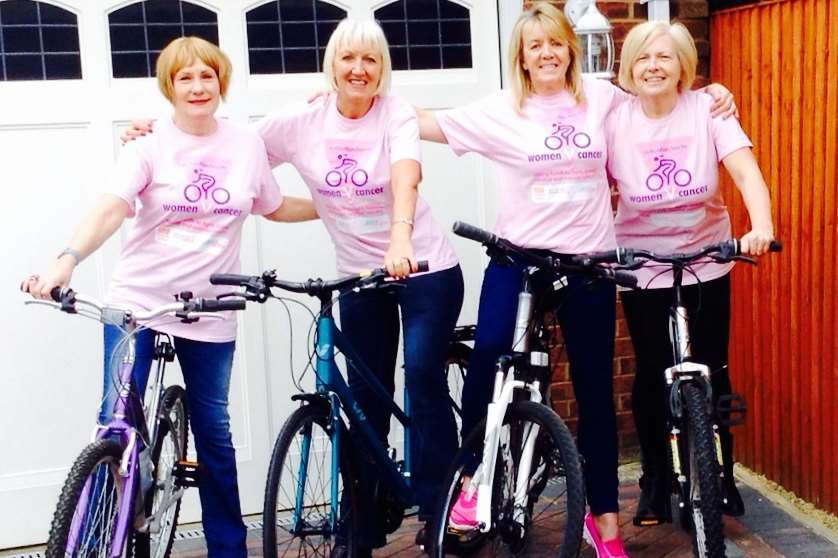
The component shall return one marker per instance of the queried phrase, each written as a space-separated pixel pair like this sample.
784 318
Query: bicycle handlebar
550 263
631 258
257 287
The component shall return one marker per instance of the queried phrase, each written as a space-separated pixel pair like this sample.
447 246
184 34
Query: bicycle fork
504 388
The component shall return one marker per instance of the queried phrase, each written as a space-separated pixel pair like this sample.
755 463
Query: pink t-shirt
191 195
667 171
346 164
550 164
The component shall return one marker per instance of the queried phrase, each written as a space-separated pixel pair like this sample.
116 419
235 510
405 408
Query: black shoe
422 536
654 507
732 503
341 551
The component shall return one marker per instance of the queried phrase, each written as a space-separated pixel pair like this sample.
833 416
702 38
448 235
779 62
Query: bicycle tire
707 528
456 368
556 481
97 462
279 500
173 429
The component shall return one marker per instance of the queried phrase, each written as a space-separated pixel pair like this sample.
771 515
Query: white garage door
73 73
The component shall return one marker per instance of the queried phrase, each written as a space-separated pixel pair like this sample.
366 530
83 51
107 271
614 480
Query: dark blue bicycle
310 495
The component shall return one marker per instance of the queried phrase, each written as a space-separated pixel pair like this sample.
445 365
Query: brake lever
746 259
499 256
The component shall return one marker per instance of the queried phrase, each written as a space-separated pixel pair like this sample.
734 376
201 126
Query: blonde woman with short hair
666 170
189 188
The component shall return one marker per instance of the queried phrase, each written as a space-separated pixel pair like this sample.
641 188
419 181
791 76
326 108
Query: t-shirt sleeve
403 132
278 131
132 173
728 135
268 195
470 128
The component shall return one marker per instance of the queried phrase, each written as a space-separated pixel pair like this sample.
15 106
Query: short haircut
642 35
365 33
556 25
184 51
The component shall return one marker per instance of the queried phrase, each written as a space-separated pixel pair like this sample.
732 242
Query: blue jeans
430 305
206 370
585 312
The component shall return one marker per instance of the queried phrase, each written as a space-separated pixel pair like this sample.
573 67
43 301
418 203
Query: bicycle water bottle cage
187 473
731 410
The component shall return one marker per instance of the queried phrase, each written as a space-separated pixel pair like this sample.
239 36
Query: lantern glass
598 52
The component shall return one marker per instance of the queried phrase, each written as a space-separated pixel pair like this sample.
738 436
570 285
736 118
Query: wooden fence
780 59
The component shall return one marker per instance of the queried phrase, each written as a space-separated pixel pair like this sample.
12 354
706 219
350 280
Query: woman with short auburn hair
189 187
674 140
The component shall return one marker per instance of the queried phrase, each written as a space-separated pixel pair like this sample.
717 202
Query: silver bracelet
71 252
405 221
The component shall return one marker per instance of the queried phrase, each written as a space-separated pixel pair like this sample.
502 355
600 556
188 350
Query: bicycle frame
331 385
121 428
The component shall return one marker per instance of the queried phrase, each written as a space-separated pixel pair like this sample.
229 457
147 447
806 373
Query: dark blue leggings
430 305
585 312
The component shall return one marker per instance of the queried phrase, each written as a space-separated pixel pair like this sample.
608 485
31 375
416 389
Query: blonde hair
185 51
557 26
639 38
366 33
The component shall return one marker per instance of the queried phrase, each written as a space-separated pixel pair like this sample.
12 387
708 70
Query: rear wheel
545 516
86 516
301 517
163 499
705 479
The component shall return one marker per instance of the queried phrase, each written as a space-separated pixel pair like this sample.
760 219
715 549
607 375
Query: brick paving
765 531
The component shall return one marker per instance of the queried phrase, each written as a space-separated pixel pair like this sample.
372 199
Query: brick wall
623 15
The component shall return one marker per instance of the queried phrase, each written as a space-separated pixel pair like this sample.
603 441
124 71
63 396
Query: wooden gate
780 59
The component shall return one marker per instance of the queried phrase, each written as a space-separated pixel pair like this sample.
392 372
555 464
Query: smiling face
546 59
196 91
357 71
657 71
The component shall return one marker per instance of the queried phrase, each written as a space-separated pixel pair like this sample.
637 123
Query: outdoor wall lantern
594 32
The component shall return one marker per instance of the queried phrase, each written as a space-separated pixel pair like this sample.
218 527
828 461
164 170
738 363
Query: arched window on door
290 36
38 41
139 31
427 34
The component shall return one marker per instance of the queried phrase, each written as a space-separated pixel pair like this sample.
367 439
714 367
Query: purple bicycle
122 495
344 173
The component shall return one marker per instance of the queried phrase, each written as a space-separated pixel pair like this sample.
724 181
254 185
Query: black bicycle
693 419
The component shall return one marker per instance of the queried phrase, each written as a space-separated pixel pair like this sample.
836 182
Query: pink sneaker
464 513
604 549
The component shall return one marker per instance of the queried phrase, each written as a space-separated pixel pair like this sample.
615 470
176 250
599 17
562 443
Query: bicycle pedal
733 407
187 474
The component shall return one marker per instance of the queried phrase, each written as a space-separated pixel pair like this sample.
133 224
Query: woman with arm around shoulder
546 138
189 186
667 174
357 150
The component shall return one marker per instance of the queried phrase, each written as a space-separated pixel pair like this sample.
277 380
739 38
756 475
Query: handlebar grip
422 266
473 233
775 246
625 279
213 305
229 279
55 294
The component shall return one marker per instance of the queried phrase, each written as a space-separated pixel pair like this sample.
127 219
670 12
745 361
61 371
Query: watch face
574 9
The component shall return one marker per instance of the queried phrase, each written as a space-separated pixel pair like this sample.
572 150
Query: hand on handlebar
757 242
40 286
400 261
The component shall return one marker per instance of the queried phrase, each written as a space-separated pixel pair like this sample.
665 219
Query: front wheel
705 481
162 503
528 510
86 517
304 514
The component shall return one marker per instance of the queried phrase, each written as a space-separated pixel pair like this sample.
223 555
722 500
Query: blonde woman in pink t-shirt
546 138
190 187
666 168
